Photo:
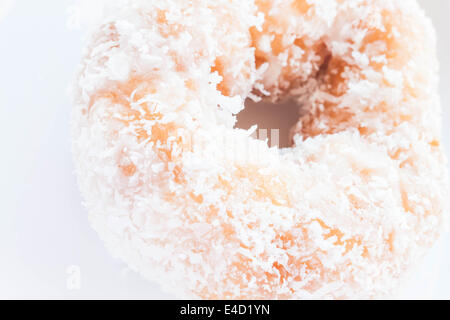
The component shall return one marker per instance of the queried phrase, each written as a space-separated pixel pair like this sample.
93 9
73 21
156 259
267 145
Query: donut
208 211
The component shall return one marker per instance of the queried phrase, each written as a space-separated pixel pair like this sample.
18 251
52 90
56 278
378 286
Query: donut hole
270 117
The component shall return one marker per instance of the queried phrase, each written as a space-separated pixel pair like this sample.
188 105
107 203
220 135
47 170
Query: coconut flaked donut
208 211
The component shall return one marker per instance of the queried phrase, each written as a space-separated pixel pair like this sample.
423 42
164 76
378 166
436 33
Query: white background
43 226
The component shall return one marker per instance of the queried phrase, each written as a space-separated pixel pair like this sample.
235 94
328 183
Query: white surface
5 7
43 226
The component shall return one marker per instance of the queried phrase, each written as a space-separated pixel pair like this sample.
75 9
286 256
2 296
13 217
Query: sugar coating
210 212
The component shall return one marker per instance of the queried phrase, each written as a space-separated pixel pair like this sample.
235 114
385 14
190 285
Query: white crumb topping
207 210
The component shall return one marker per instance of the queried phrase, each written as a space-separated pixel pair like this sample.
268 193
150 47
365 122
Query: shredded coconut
207 210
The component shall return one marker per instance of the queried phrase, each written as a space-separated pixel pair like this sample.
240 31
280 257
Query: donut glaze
208 211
